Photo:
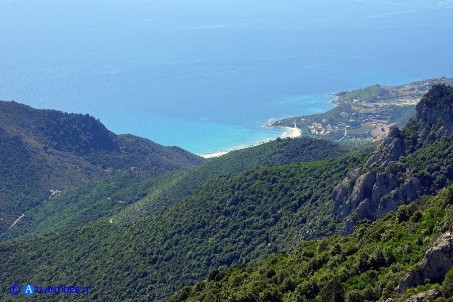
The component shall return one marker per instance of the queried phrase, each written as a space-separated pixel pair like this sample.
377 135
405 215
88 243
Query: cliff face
382 185
391 150
371 192
437 108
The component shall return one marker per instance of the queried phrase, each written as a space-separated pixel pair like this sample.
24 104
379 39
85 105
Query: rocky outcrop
360 195
371 192
437 261
436 107
385 184
342 191
371 195
434 114
391 149
430 294
350 192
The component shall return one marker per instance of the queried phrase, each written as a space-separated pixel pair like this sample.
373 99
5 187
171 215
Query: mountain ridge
131 195
386 182
247 216
44 150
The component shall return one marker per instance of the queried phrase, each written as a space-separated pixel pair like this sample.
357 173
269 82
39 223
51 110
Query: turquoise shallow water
207 74
203 136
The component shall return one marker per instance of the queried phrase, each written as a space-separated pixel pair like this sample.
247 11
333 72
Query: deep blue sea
207 74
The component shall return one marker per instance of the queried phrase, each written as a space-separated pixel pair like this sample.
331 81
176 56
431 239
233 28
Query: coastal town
364 114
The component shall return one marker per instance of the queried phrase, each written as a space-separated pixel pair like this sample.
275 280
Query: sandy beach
216 154
290 132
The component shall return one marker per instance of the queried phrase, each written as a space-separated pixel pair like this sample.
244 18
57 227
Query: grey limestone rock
384 185
373 192
437 108
364 209
391 149
363 188
430 294
438 260
342 191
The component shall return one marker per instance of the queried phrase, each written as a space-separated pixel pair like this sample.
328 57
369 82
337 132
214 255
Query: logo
29 289
14 290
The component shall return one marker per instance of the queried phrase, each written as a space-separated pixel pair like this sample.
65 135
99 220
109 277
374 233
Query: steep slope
379 261
278 152
231 220
44 150
133 194
88 138
415 161
89 202
238 219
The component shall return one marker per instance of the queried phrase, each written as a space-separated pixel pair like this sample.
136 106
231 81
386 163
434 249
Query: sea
206 75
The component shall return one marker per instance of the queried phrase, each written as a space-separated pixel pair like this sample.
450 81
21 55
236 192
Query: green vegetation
134 194
28 174
77 133
401 115
231 220
241 221
439 94
278 152
44 150
432 165
368 94
387 94
365 266
20 185
360 111
88 138
338 117
89 202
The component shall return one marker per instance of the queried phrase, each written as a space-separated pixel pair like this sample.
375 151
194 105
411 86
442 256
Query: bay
207 75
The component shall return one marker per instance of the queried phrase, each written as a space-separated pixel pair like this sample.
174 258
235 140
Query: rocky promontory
383 184
365 114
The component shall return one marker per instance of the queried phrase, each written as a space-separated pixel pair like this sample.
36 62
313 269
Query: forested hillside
89 202
233 219
369 265
88 138
404 255
274 153
241 209
134 194
44 150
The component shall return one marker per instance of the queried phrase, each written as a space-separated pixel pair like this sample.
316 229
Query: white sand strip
290 132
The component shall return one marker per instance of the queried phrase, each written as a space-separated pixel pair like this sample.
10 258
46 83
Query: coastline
289 132
368 112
